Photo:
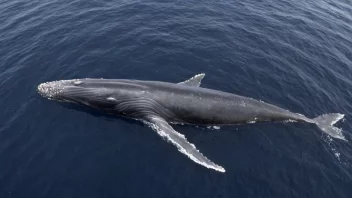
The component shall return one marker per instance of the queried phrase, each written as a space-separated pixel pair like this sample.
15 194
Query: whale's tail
326 121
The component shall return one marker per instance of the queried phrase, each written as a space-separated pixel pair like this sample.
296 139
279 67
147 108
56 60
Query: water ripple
295 54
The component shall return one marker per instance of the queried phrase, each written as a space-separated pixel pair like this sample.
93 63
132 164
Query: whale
163 104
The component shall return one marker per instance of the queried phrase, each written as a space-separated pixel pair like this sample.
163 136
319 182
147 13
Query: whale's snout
52 90
81 91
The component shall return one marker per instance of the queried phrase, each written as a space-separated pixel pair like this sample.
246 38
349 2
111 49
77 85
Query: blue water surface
294 54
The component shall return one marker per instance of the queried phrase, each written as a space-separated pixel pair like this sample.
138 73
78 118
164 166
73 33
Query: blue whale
160 104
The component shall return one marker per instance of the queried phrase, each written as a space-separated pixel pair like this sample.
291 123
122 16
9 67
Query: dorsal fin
194 81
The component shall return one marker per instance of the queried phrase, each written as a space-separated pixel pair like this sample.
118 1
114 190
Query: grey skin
160 103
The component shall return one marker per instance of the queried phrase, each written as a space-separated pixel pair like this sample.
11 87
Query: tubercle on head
53 88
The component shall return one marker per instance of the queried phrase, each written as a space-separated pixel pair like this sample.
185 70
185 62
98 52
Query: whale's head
81 91
54 90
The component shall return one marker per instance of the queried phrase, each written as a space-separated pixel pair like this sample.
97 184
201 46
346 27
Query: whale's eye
77 82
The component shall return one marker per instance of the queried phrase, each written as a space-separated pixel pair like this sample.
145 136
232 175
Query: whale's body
161 103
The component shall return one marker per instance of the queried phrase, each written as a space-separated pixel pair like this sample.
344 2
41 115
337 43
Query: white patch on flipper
210 165
182 150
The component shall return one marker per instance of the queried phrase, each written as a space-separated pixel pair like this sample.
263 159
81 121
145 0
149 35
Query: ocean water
294 54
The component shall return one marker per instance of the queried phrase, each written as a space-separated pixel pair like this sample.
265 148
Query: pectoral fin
194 81
179 140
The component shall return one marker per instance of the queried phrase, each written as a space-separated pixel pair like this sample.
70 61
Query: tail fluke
326 121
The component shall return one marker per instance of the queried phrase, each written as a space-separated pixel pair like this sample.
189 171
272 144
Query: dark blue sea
296 54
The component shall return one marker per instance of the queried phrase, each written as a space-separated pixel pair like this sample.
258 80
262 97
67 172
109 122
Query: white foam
289 120
216 127
213 127
337 154
339 117
329 140
252 121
